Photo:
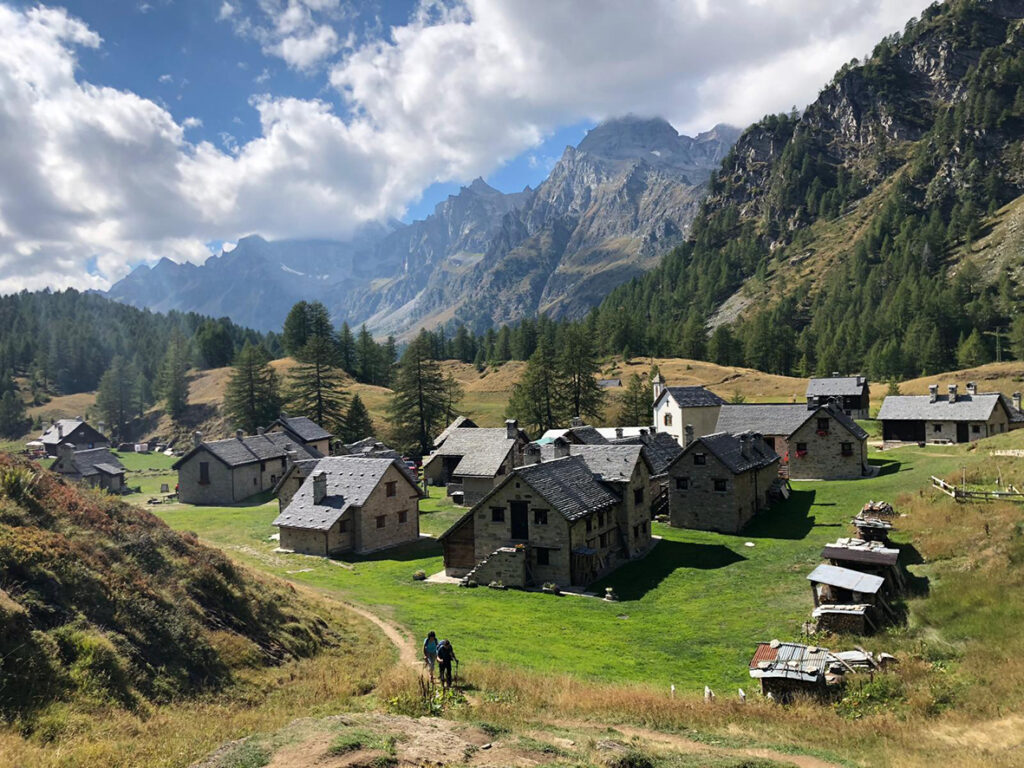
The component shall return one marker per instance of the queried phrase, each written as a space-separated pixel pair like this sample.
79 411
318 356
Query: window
638 495
390 488
284 463
263 466
847 449
497 514
600 519
668 420
823 426
255 481
936 428
682 483
343 526
976 429
603 538
590 524
540 517
381 519
543 557
801 449
700 459
403 516
204 473
720 486
636 531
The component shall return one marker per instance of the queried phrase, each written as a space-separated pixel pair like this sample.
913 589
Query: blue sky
143 129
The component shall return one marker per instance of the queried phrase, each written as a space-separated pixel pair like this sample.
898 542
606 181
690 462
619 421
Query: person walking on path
445 657
430 652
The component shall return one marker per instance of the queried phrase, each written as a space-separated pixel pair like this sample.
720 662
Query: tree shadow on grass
414 550
787 519
917 586
635 579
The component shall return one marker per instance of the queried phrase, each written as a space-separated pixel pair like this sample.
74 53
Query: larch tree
636 409
252 397
420 400
538 401
315 385
117 397
358 423
578 366
172 385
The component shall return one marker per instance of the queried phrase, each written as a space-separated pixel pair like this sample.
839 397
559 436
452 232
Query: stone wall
303 541
824 459
368 537
506 565
634 519
475 488
700 506
227 484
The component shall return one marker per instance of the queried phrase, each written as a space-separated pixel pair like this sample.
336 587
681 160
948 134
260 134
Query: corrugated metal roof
845 578
790 660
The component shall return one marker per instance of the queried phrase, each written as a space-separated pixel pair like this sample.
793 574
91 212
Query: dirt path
407 649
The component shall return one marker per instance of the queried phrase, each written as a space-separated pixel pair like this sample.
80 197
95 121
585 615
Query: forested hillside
835 239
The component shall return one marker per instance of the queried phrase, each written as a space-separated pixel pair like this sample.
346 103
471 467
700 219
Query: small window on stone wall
700 459
682 483
936 427
604 540
204 473
540 517
403 516
847 449
381 520
976 429
497 514
343 526
543 556
668 420
638 495
390 488
721 486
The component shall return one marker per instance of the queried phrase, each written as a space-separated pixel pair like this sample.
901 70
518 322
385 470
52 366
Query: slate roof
611 463
920 408
586 435
238 452
61 429
845 578
778 419
303 428
790 660
1015 416
482 450
568 486
859 551
660 448
836 386
693 397
350 481
728 449
460 422
94 461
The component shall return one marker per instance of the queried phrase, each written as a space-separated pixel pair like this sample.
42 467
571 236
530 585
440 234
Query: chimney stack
618 433
933 392
511 429
1016 400
745 445
319 486
260 430
60 430
952 393
812 402
972 388
688 430
532 455
197 438
239 434
66 451
835 374
575 421
561 447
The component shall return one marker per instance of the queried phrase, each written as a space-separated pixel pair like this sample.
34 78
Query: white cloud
97 173
300 32
165 78
192 122
227 10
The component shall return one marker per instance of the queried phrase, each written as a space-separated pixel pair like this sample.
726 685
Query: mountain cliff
606 212
844 238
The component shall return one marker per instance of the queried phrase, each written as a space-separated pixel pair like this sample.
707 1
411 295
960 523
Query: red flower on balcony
801 454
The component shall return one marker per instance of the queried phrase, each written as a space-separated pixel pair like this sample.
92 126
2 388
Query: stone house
97 467
660 449
950 418
303 431
351 504
850 394
550 521
220 472
74 431
677 407
720 481
814 442
460 422
474 460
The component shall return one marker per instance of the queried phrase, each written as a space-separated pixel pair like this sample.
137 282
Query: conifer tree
172 385
358 423
315 385
418 406
117 397
636 409
252 397
538 400
972 352
578 366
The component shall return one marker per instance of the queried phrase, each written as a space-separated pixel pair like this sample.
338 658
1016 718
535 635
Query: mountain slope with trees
836 239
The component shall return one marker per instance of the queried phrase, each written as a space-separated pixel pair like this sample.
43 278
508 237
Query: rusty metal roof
790 660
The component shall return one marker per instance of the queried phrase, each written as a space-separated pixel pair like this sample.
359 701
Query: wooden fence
962 494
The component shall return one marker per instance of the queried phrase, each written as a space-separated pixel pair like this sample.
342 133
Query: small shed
845 599
872 528
787 669
855 619
868 557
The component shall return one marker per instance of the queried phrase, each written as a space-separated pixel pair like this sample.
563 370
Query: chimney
643 432
60 430
532 455
933 393
1016 400
745 445
561 447
835 374
688 430
283 415
972 388
66 451
657 386
197 438
239 434
952 393
575 421
511 429
812 402
260 430
618 433
319 486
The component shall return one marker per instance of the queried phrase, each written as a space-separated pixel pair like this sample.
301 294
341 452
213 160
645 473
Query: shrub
419 576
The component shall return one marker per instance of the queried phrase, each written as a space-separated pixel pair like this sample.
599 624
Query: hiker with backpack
430 651
445 657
